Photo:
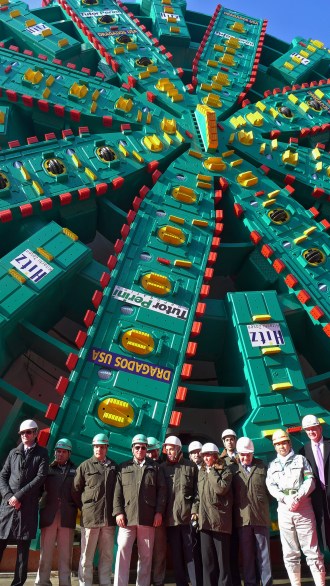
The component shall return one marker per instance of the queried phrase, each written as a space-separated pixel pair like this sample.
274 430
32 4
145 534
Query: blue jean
254 545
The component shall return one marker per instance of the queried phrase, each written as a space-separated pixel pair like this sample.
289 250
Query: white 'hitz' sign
31 265
265 335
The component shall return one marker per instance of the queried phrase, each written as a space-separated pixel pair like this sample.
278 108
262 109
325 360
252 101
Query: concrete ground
5 580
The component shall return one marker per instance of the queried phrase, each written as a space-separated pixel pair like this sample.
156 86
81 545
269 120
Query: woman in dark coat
213 509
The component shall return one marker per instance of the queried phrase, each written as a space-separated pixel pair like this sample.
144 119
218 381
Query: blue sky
286 18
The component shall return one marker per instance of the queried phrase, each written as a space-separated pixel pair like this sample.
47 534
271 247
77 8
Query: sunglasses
27 432
140 448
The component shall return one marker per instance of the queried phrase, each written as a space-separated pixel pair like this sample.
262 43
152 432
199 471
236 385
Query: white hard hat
209 447
194 446
27 424
172 440
309 421
245 445
228 432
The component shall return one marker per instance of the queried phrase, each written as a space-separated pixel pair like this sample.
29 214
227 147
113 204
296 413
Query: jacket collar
326 448
147 461
54 464
20 448
96 461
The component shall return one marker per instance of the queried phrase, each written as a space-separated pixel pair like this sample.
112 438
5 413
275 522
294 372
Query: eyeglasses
140 447
27 432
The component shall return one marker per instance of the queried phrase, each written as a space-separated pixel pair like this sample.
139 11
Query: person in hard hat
229 439
290 481
194 451
317 452
139 505
251 514
229 453
213 509
158 570
57 519
92 491
154 449
181 480
21 478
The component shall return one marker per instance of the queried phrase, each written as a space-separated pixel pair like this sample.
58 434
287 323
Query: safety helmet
154 443
100 440
280 436
64 444
194 446
140 438
172 440
245 445
27 424
209 447
228 432
309 421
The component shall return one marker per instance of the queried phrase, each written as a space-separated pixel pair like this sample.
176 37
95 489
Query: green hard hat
140 439
64 444
100 439
154 443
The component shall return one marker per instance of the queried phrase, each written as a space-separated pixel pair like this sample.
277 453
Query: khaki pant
144 536
63 536
298 530
102 538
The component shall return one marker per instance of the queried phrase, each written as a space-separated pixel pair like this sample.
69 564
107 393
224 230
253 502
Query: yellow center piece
184 194
138 342
153 143
171 235
115 412
156 283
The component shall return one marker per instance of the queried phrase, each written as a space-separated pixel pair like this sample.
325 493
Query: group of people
207 509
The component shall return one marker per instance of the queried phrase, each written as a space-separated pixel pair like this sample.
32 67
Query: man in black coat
23 474
317 452
58 513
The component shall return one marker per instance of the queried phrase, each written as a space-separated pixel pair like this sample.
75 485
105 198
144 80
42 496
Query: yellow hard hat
280 436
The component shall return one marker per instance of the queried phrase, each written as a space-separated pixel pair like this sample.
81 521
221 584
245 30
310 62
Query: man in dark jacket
58 514
23 474
317 452
93 489
251 515
181 480
139 504
229 453
160 544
